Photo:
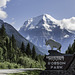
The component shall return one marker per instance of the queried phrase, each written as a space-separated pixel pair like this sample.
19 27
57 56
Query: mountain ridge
45 27
11 30
60 23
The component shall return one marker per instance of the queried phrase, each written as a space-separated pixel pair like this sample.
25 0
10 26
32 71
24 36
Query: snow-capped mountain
19 38
43 27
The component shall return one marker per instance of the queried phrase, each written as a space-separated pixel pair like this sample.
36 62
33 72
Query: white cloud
68 24
3 3
3 14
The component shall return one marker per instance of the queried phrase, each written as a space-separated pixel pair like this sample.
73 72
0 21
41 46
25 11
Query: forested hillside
22 57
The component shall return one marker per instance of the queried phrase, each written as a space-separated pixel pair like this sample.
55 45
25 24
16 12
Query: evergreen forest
11 56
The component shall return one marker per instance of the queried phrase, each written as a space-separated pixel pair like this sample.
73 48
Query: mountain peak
44 21
43 27
47 17
47 21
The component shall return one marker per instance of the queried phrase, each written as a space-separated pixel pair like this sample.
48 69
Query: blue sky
20 10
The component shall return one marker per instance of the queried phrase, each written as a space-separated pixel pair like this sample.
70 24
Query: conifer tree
28 50
2 35
1 52
69 50
4 53
2 31
7 43
22 47
13 55
73 47
10 51
13 41
33 53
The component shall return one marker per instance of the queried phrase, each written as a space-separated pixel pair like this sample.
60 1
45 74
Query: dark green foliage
7 43
28 50
1 52
71 49
13 41
4 53
2 32
22 47
33 53
20 61
8 65
2 36
11 53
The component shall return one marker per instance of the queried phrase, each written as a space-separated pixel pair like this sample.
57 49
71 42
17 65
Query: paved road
7 71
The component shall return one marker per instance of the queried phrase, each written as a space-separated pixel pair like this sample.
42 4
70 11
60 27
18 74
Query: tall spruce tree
69 50
22 47
33 53
73 47
2 36
7 43
13 41
1 53
2 31
4 53
10 51
28 50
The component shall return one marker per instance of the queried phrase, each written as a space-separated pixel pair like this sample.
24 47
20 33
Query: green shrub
9 66
16 66
29 63
2 66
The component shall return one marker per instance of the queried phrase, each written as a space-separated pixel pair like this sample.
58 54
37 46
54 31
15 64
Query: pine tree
13 41
28 50
7 43
4 53
69 50
33 53
2 32
22 47
1 52
73 47
10 51
18 54
2 36
13 55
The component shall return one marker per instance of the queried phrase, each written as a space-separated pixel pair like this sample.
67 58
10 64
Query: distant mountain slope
11 30
43 27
